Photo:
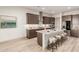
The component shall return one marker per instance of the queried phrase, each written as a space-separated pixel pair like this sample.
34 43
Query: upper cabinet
52 20
48 20
45 20
32 19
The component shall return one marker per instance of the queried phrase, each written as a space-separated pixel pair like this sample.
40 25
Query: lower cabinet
31 33
39 38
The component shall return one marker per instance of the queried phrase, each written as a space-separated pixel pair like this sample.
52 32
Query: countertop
48 31
36 28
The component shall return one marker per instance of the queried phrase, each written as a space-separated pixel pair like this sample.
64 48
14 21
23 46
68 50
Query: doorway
68 25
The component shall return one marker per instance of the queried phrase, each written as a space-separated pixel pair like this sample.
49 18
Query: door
68 25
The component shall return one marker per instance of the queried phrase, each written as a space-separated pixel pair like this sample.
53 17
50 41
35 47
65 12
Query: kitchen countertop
37 28
48 31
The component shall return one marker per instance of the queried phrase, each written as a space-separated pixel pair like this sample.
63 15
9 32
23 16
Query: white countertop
48 31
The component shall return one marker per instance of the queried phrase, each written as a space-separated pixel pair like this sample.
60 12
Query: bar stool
64 36
58 37
52 43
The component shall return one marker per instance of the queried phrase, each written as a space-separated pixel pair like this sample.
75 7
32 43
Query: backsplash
36 26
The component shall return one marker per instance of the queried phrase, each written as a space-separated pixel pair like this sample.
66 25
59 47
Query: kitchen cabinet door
46 20
52 20
32 19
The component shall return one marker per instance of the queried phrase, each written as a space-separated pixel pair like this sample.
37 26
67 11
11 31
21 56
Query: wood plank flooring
71 45
30 45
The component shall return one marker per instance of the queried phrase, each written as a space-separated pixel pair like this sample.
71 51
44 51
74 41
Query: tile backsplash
36 26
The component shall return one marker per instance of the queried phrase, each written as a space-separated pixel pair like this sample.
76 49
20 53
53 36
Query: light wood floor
26 45
71 45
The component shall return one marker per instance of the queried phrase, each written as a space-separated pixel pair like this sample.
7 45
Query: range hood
40 17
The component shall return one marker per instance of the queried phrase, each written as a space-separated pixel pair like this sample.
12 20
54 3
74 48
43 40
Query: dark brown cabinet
39 39
45 20
31 33
32 19
48 20
52 20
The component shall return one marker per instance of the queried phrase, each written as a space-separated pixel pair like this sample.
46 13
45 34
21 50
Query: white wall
57 24
13 33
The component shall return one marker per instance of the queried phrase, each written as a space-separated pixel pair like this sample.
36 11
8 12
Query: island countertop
48 31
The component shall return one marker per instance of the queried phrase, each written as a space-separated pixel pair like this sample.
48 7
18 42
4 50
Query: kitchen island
44 35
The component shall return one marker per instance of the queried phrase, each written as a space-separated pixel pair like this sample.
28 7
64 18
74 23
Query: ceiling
53 9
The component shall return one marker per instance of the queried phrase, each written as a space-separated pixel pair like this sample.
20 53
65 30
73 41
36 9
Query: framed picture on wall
7 21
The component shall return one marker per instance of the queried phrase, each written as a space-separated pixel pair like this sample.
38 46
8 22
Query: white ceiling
53 9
